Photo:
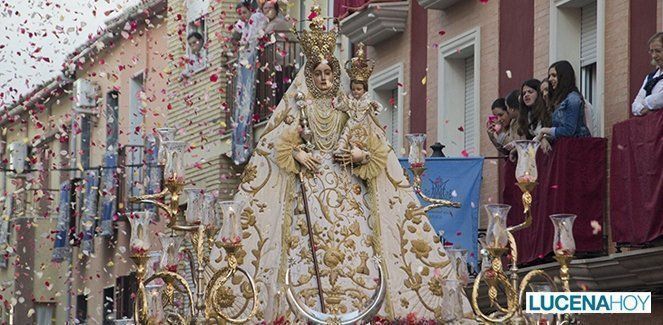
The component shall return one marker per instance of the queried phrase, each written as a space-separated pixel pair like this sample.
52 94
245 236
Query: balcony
437 4
375 22
279 63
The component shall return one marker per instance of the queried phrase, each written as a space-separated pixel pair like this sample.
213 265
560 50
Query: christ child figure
359 106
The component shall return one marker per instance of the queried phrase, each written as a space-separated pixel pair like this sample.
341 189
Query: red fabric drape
572 179
636 179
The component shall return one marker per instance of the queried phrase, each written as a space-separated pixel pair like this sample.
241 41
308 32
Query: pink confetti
596 227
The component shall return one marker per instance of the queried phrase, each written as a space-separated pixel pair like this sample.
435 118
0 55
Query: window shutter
588 34
86 136
196 9
470 112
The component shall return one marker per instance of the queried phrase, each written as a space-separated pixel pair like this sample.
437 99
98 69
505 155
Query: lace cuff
284 147
375 161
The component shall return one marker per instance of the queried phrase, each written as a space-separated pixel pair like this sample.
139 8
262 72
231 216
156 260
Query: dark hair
499 103
512 101
197 35
362 82
539 110
656 37
566 82
276 5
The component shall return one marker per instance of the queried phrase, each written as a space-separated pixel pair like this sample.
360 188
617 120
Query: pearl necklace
325 122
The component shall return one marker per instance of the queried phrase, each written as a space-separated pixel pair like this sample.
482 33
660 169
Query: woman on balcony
650 96
568 118
323 221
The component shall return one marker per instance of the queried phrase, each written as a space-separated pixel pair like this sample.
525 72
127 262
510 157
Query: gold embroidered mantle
353 220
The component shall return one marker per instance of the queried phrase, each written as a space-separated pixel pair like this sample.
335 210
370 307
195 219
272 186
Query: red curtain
572 179
636 179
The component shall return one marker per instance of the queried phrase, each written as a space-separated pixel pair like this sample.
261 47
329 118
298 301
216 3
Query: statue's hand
351 156
307 160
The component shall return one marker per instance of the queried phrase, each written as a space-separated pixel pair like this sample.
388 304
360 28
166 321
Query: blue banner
61 247
109 185
454 179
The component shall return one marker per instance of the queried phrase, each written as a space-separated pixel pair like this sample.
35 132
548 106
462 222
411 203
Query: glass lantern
170 249
153 264
209 216
458 257
496 233
451 291
140 233
416 157
174 169
485 256
526 168
155 305
194 205
537 318
164 135
563 242
231 225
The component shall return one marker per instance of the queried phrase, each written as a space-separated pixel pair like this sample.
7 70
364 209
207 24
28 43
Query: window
81 309
45 313
109 306
112 120
196 39
384 87
588 60
458 101
577 35
126 285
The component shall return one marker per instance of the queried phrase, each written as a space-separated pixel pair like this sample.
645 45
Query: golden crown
359 68
317 44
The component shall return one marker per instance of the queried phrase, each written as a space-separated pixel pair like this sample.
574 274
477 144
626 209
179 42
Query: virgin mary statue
356 211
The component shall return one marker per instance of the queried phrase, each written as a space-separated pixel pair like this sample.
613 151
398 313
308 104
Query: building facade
477 51
63 141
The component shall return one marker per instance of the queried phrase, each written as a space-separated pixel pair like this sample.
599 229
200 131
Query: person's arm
654 101
638 106
570 107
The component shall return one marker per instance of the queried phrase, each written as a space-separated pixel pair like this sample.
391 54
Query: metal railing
277 67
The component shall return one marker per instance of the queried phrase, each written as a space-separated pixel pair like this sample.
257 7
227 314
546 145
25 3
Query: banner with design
454 179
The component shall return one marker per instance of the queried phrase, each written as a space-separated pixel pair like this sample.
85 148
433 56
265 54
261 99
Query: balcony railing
278 64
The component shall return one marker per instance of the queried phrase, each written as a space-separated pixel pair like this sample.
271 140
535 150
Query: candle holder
163 135
564 245
458 257
140 235
526 176
417 160
201 224
452 291
499 240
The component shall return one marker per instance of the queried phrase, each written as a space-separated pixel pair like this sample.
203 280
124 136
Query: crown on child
317 43
359 68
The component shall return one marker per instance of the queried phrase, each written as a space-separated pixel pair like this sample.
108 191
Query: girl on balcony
513 131
650 96
498 124
568 118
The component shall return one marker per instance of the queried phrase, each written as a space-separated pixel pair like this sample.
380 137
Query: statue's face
322 77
